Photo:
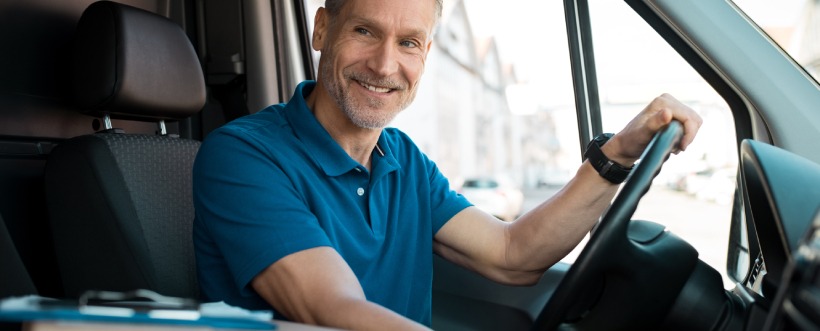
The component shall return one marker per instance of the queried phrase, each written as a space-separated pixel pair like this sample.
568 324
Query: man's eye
408 43
362 31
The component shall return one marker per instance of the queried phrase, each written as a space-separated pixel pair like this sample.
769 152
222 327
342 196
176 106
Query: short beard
356 112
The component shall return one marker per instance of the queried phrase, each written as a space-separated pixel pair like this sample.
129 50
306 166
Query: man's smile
374 88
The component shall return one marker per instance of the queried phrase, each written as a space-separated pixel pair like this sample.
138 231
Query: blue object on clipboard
136 307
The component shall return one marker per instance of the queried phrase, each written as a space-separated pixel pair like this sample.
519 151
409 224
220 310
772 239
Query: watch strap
608 169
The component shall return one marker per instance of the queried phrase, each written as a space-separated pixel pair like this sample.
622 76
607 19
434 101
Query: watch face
603 138
609 170
599 139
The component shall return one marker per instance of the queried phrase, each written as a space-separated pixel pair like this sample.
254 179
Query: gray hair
335 6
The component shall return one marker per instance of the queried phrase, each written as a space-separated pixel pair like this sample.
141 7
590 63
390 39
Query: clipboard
135 307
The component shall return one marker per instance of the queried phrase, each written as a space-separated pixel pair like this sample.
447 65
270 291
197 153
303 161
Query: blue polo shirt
274 183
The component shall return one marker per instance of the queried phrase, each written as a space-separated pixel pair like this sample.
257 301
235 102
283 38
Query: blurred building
461 117
807 38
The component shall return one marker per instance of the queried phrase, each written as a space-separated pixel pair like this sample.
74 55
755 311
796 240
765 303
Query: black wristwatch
610 170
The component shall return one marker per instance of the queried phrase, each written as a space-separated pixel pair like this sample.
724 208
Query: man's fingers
674 109
663 117
690 129
659 113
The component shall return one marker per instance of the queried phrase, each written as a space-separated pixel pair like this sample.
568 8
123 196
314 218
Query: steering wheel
630 272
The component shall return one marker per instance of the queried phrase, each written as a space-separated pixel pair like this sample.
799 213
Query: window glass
692 196
793 24
496 102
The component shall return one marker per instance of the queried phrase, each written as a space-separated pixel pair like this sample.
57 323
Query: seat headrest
134 64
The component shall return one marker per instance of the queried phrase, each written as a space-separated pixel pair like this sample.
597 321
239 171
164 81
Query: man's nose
384 59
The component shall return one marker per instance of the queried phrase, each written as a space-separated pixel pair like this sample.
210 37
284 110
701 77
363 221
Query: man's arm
519 252
316 286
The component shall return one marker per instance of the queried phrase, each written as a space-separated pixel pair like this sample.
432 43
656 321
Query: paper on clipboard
215 315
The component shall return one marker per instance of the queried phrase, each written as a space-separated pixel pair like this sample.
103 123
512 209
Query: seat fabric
15 278
122 213
120 205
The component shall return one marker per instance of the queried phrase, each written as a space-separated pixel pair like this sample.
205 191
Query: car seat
120 204
16 280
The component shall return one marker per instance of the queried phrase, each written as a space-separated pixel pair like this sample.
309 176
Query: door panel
464 300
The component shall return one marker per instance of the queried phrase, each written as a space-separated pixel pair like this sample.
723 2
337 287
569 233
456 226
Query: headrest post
162 131
107 122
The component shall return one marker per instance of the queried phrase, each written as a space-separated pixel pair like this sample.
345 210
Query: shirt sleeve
444 201
249 207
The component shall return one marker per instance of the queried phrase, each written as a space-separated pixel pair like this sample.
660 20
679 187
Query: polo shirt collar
383 159
325 151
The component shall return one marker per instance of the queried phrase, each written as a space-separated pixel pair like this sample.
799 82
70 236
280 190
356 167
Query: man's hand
627 146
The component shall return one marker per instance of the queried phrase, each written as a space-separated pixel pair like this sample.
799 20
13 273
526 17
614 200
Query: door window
693 194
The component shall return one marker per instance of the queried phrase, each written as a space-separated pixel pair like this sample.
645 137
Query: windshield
793 24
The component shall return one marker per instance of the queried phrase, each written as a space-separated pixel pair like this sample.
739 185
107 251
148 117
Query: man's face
373 55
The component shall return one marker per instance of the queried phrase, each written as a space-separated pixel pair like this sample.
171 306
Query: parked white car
495 196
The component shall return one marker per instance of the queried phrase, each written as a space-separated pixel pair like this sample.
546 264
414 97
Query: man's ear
320 23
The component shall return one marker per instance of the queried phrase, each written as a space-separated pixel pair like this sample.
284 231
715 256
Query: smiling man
315 209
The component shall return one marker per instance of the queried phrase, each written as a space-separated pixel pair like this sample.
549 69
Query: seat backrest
16 279
120 204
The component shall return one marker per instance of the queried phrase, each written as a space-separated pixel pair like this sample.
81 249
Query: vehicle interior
103 105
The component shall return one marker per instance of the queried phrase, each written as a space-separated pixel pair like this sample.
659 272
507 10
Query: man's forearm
519 252
316 286
543 236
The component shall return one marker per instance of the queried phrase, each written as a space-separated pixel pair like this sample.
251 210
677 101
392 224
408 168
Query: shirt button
360 191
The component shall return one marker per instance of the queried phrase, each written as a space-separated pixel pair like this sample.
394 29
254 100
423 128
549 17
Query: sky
534 41
772 12
545 19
